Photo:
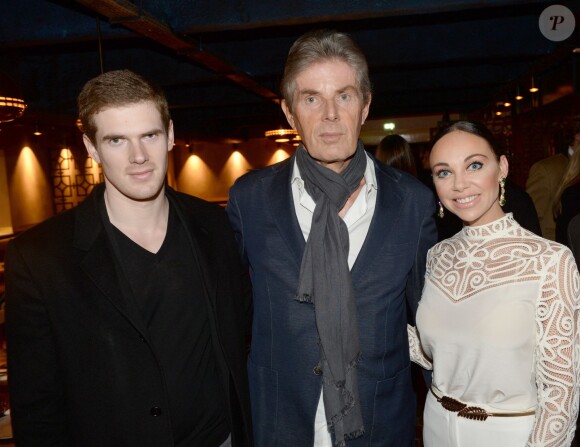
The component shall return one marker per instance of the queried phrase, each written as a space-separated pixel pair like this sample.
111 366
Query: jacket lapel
279 202
386 220
202 251
99 262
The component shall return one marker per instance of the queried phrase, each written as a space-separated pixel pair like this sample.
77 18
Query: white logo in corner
557 23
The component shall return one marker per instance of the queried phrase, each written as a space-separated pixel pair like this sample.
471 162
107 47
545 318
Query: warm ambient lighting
12 105
235 166
278 156
37 131
389 126
507 104
533 88
11 108
280 135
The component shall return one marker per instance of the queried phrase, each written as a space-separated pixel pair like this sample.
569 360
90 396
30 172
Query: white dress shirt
358 220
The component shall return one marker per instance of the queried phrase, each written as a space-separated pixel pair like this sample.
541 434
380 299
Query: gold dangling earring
441 211
502 192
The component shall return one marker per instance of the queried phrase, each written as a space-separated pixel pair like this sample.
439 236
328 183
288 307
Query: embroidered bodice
499 317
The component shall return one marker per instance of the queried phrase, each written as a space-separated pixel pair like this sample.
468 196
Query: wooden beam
131 17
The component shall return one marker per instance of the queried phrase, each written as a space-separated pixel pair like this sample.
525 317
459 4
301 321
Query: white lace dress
499 317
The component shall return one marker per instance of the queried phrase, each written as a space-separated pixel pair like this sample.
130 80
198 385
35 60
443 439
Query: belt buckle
463 410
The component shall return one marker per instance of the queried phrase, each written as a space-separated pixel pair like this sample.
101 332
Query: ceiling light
280 135
12 106
296 141
389 126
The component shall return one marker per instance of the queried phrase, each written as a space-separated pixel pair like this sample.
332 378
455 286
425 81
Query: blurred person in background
567 198
395 151
546 175
574 237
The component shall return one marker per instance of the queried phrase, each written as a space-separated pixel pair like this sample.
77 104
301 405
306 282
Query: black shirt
168 292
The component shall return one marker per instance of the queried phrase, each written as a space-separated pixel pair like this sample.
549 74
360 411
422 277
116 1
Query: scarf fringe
348 406
348 397
353 435
349 437
304 298
350 365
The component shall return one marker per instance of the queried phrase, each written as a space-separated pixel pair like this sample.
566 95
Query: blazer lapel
99 262
386 221
99 266
198 237
279 202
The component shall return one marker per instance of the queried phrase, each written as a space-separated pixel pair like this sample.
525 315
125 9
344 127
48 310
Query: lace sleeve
557 355
415 351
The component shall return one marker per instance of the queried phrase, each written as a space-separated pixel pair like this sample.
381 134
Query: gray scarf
325 281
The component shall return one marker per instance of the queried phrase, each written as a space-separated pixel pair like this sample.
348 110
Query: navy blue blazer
388 274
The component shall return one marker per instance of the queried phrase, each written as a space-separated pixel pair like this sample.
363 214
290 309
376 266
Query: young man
126 316
336 245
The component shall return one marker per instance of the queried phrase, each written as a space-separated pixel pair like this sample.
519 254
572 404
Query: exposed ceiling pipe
127 14
100 45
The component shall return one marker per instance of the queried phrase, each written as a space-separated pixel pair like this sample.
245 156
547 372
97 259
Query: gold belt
472 412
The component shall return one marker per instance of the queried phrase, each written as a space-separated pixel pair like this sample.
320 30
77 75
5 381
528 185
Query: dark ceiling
220 61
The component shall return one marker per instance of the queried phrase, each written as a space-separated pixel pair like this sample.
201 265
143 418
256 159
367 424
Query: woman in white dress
498 321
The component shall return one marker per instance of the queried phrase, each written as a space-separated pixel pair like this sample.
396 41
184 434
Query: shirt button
317 371
155 411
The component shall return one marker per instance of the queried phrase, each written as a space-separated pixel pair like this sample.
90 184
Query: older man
336 245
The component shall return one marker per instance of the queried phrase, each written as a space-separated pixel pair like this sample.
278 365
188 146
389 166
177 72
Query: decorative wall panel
74 175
